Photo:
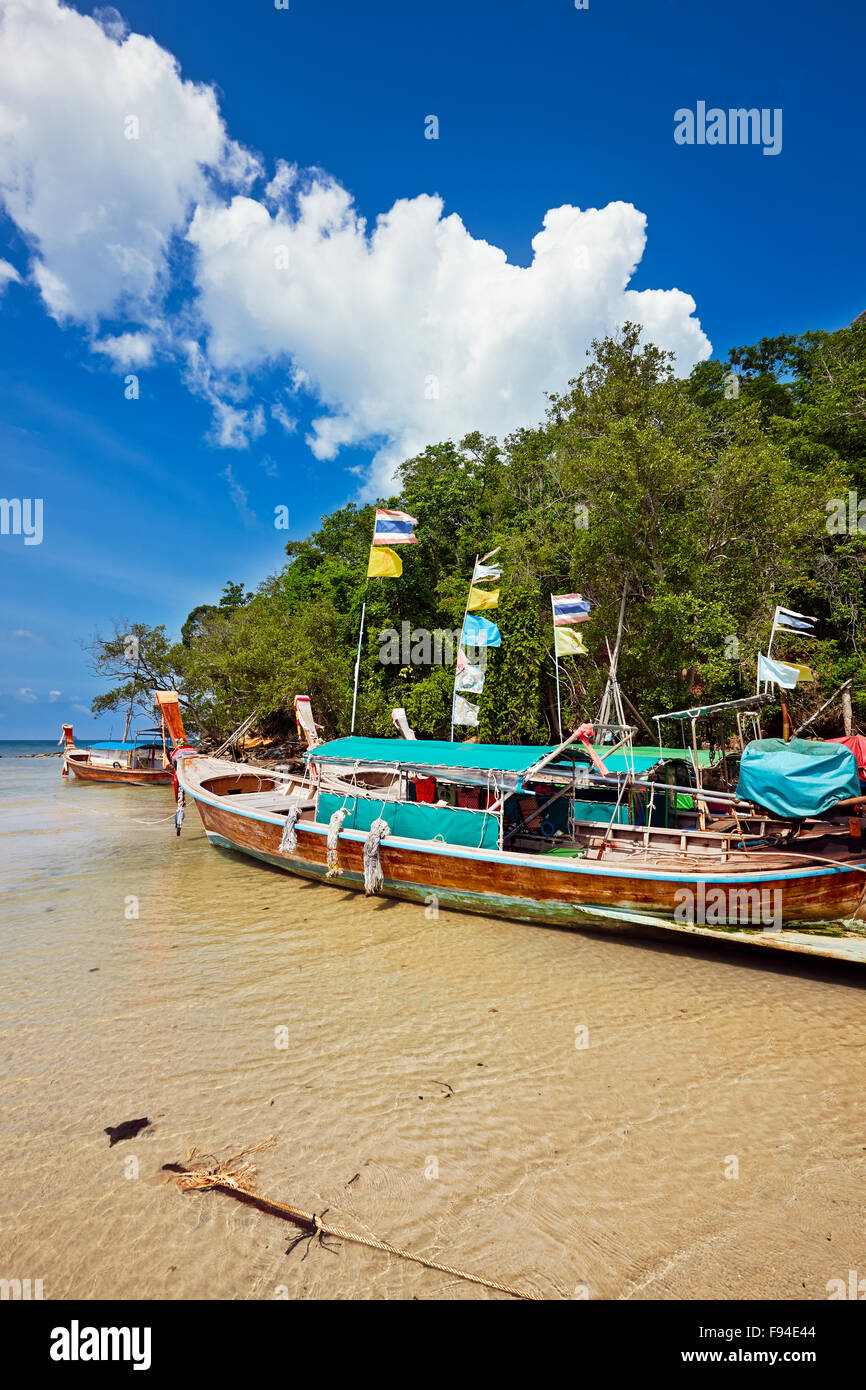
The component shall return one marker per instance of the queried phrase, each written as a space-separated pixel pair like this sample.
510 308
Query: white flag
470 678
485 572
777 673
464 712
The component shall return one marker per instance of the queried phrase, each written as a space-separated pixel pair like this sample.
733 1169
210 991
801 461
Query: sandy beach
577 1115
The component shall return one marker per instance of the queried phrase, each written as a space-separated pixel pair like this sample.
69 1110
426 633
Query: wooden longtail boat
480 828
141 761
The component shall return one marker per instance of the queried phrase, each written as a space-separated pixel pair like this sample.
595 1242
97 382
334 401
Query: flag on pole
568 643
777 672
384 563
393 528
485 572
479 632
464 712
470 678
786 620
480 599
805 675
569 608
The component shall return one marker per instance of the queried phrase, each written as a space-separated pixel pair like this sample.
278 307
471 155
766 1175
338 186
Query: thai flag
569 608
394 528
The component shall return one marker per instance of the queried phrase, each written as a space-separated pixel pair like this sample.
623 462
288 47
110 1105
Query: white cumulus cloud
126 349
404 332
103 152
416 330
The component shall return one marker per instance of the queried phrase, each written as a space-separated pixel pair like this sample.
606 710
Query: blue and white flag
394 528
479 632
786 620
569 608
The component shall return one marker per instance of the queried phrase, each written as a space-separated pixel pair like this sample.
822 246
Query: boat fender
289 840
373 876
335 825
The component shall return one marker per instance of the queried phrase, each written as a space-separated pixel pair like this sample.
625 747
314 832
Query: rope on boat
373 876
234 1176
123 820
289 837
335 825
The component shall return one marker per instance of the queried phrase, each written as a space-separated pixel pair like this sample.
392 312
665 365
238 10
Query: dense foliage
712 499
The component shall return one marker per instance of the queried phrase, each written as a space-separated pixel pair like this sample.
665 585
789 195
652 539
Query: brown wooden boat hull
759 908
132 777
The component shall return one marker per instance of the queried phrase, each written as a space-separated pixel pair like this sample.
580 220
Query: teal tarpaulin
802 778
481 757
422 752
411 821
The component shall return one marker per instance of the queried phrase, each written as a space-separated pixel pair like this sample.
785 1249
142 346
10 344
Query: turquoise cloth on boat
421 752
414 821
602 811
481 757
802 778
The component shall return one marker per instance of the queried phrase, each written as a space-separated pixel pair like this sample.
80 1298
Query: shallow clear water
434 1059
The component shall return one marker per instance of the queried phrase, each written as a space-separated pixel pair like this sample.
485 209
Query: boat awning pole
549 757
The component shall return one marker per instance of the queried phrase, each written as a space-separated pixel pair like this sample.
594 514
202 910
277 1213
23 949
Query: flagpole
358 664
460 643
769 650
556 663
361 632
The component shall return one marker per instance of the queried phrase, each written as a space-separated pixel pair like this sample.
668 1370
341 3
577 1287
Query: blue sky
540 106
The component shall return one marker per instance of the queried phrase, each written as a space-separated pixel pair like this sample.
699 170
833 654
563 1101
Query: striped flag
786 620
569 608
393 528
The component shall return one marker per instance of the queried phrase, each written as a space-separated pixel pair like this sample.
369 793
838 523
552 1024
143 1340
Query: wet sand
434 1059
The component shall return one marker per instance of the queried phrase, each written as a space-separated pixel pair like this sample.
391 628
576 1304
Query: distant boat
519 832
142 761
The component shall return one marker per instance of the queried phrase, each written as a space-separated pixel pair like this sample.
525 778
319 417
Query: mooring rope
122 820
235 1175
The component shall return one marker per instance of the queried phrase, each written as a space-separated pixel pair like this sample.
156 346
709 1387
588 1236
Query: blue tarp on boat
802 778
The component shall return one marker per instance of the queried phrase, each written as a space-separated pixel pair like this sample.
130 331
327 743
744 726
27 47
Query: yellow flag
385 563
568 642
804 673
482 598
